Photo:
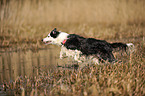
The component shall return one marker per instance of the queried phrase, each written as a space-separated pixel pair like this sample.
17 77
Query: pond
28 63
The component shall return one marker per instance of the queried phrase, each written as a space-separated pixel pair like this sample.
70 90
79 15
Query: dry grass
124 79
23 23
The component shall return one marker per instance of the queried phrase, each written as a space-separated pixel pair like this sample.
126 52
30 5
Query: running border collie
82 49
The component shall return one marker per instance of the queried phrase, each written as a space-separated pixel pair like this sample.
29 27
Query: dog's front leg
62 52
61 55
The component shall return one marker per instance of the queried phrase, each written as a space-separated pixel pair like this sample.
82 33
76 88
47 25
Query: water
28 63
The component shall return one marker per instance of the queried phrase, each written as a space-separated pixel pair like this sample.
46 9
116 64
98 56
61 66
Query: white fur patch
77 56
70 53
131 47
62 36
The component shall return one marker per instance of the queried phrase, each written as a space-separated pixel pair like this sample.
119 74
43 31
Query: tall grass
37 12
30 20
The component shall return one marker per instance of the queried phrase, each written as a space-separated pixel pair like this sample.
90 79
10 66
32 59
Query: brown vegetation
23 23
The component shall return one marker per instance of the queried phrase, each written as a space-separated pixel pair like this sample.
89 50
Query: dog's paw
60 57
79 61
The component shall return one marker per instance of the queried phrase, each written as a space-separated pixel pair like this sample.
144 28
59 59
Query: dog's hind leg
77 56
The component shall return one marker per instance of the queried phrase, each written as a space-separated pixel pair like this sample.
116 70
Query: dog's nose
42 40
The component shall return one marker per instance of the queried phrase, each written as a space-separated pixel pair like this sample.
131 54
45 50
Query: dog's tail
129 47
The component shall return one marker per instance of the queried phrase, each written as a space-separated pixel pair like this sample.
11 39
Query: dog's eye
48 36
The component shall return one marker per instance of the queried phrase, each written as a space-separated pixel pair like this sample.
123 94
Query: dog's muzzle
46 42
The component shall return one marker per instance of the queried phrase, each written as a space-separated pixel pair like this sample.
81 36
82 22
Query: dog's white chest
70 53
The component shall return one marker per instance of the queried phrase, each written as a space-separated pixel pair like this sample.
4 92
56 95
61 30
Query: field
23 23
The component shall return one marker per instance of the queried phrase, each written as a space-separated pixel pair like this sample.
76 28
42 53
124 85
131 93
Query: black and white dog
80 48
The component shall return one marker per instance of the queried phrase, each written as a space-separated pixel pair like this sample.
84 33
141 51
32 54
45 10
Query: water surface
28 63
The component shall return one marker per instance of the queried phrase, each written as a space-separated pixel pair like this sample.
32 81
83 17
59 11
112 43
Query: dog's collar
63 42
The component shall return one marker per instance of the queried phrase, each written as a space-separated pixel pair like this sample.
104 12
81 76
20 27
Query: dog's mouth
47 42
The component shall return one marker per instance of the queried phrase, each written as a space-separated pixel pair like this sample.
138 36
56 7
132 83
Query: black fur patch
74 42
90 46
54 33
118 46
100 48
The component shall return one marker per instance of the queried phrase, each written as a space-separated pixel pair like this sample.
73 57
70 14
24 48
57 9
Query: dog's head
55 37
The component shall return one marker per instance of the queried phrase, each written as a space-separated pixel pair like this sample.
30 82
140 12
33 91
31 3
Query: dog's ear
54 29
